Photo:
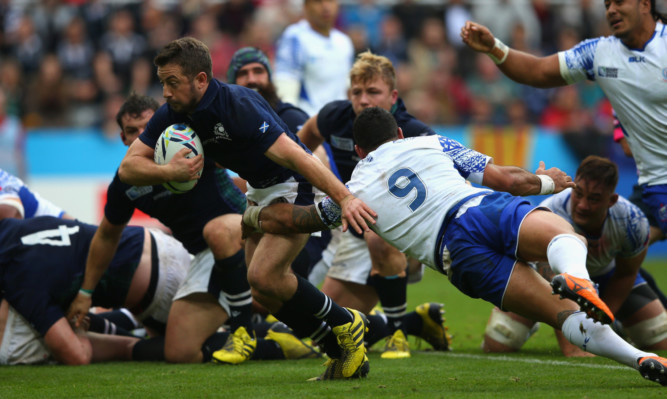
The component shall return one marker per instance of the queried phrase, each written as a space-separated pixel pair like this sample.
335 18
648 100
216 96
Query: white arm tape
251 217
548 185
499 52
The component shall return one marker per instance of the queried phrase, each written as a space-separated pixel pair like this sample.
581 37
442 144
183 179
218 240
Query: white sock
600 339
567 254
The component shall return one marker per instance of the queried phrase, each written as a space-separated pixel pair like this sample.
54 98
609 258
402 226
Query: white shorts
22 344
174 262
352 261
198 278
290 191
321 268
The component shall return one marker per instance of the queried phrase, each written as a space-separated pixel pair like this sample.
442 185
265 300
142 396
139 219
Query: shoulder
335 109
411 126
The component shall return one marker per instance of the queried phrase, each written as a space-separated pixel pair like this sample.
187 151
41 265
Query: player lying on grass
42 262
617 233
480 238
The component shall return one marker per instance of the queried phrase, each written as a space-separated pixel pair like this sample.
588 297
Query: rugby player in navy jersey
216 283
42 261
250 67
241 132
366 268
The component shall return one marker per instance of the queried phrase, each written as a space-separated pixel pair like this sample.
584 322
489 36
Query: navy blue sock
212 344
232 275
377 329
392 292
151 350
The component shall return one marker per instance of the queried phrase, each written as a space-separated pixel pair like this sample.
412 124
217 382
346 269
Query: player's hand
183 168
477 37
355 213
78 310
560 178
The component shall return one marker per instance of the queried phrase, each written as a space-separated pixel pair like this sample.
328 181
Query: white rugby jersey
635 82
624 235
320 64
15 193
412 183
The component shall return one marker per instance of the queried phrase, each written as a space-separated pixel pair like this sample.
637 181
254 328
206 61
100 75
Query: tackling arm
102 250
139 169
517 181
68 346
283 219
289 154
517 65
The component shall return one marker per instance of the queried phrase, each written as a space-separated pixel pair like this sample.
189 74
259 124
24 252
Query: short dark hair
190 54
374 126
598 169
134 106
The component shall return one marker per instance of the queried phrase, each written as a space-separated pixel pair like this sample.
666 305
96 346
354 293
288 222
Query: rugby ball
172 140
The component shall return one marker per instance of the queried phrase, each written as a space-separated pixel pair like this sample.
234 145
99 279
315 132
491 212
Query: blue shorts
655 197
483 243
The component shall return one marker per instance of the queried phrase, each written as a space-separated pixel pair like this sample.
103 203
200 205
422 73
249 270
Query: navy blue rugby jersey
236 126
43 260
335 121
185 214
293 117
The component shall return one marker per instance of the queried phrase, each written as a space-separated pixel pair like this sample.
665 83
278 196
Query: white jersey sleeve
15 193
635 82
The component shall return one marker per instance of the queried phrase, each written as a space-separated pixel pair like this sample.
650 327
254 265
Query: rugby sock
267 350
232 276
315 302
212 344
102 325
392 292
151 350
377 328
567 254
600 339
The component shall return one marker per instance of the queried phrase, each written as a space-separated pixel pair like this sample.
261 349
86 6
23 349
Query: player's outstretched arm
621 282
355 213
519 66
282 219
310 134
102 250
139 169
517 181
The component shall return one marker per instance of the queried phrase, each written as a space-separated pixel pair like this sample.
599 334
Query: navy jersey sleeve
118 209
336 116
38 310
411 126
252 119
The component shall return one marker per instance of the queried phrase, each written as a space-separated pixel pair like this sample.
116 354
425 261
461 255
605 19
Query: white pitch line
533 361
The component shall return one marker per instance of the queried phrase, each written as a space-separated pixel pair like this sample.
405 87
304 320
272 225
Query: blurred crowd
70 63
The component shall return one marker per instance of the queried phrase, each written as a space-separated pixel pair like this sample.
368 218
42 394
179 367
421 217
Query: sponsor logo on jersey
342 143
606 72
220 133
637 59
135 192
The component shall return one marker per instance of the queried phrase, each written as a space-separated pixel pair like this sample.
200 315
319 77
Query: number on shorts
402 187
55 237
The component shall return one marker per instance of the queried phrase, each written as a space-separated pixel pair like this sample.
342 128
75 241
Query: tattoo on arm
306 217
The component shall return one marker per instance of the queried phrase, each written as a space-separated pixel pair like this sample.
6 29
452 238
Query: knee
650 333
505 334
223 235
179 353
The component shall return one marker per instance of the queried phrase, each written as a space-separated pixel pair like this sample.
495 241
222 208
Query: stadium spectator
632 90
313 58
227 118
27 46
468 223
122 42
617 233
392 43
12 141
47 98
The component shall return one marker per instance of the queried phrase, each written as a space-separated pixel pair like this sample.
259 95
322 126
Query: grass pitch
538 371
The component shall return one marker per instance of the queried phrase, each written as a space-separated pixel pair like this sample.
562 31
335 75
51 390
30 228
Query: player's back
412 184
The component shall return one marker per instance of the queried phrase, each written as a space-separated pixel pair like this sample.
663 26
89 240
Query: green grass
539 371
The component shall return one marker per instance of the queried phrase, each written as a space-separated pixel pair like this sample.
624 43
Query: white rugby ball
172 140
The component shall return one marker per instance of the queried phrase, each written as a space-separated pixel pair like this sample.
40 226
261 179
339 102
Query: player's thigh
192 319
349 294
537 230
386 259
529 295
223 235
